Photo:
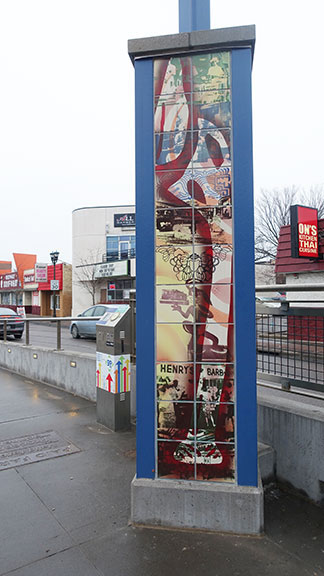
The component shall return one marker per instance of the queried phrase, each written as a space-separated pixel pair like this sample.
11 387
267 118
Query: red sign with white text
307 232
9 282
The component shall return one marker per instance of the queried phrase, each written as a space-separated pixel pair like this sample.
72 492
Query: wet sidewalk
68 514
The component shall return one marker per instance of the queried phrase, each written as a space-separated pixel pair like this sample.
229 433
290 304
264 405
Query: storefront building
31 297
30 286
12 281
10 290
291 270
308 325
103 255
63 274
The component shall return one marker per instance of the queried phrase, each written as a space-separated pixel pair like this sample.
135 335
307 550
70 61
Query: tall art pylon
196 348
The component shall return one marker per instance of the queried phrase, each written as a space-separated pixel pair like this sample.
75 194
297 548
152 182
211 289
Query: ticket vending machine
113 367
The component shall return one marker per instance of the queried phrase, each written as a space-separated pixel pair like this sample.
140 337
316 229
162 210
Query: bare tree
314 198
272 210
265 273
86 274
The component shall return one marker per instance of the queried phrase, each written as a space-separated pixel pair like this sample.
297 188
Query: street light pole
54 294
54 257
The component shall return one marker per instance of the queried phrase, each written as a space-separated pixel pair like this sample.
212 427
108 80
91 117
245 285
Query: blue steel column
244 293
145 270
194 15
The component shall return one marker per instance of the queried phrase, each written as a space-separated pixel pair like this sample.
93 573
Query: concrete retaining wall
294 427
51 367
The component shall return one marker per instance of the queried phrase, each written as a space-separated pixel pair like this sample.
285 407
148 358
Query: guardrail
58 321
290 338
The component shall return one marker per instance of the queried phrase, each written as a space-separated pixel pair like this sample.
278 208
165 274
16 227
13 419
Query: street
45 336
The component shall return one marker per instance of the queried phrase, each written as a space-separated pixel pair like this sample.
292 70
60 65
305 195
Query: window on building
5 298
19 299
119 289
124 248
133 252
57 307
112 247
120 247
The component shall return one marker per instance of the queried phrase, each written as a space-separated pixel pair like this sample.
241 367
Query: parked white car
88 327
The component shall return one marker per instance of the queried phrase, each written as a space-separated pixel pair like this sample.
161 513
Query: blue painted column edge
194 15
145 270
244 273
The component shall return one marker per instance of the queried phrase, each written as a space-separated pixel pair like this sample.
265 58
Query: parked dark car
88 327
15 323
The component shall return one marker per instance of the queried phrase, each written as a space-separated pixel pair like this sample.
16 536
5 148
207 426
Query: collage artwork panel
193 268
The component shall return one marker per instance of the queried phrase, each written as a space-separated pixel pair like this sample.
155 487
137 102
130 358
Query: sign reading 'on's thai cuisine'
304 232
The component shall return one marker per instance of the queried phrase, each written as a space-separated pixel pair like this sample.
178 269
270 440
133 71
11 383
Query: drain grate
33 448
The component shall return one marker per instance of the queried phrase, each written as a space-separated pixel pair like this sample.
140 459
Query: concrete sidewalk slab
67 563
70 515
28 530
152 552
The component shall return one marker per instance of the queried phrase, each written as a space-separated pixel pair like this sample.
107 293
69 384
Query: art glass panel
174 188
195 383
175 382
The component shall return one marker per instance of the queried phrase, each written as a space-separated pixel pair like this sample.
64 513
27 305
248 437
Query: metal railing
119 255
58 321
290 338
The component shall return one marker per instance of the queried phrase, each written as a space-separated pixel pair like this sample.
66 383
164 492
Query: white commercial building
103 255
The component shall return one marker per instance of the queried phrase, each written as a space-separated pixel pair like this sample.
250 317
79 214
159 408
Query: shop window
119 289
28 299
115 294
35 301
5 298
19 299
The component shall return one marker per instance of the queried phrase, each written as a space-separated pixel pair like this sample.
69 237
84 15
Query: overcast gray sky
67 101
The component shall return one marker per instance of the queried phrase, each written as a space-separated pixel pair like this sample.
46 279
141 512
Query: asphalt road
43 335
